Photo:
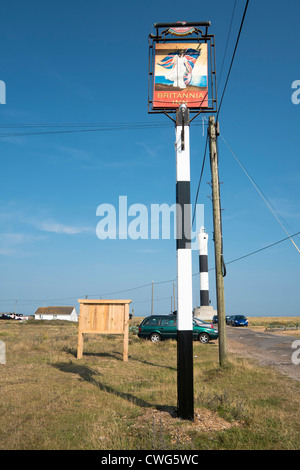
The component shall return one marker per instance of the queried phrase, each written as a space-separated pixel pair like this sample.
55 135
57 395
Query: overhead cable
154 283
228 35
260 193
233 56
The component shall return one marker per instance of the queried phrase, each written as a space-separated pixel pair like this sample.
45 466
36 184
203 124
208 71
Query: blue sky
79 62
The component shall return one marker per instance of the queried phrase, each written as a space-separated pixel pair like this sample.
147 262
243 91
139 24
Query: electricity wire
77 128
228 35
154 283
200 179
233 56
260 193
262 249
225 86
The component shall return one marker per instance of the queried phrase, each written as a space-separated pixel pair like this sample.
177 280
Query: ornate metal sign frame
183 32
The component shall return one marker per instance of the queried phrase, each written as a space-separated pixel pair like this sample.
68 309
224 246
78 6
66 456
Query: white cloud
74 153
57 227
286 207
22 232
11 244
150 151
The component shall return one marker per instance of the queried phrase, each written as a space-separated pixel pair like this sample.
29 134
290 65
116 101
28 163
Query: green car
158 327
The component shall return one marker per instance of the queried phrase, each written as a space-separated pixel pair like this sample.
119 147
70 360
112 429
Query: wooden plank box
103 317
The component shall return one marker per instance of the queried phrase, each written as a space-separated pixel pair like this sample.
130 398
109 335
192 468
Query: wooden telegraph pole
213 132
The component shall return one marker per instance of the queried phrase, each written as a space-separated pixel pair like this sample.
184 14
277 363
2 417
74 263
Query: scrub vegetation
51 400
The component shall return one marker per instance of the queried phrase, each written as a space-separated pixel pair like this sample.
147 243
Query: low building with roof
56 313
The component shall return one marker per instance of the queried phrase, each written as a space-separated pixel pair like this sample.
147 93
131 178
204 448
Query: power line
102 125
121 291
261 194
225 86
200 179
104 129
76 124
233 56
77 128
228 35
155 283
154 300
262 249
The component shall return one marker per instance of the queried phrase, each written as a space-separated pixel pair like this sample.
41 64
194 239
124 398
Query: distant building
56 313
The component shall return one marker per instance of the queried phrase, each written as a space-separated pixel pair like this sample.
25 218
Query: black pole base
185 381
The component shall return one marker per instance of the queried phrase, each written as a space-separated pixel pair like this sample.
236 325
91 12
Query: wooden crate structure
103 317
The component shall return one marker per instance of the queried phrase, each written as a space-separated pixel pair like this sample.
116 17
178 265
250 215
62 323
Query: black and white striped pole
203 267
185 381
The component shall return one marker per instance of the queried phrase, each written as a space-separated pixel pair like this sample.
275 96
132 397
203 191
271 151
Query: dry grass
287 326
51 400
266 321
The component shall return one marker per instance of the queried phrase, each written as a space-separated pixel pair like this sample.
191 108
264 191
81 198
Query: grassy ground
51 400
275 321
288 326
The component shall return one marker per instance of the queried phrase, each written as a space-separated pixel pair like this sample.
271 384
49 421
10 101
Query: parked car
12 316
159 327
203 323
215 319
238 320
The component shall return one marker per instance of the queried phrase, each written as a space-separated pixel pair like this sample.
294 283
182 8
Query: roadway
271 349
